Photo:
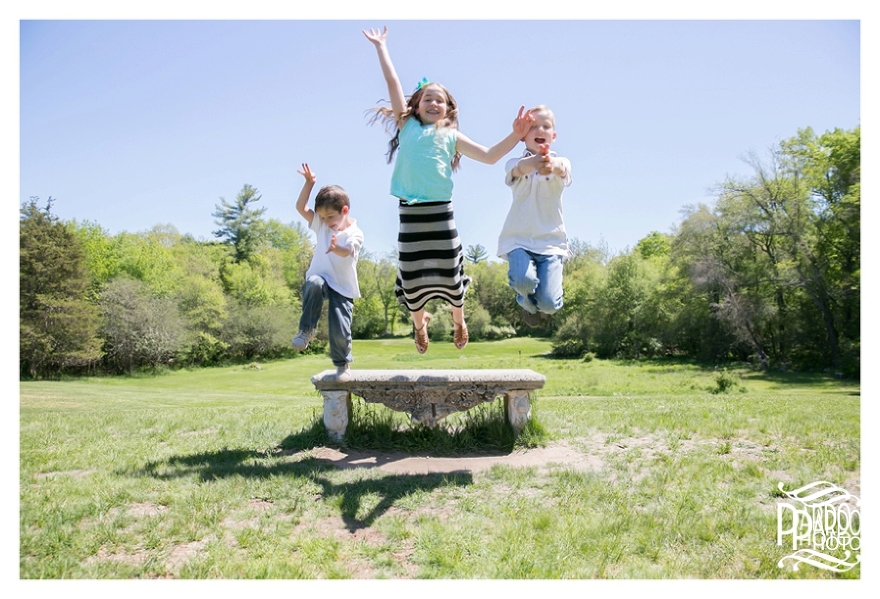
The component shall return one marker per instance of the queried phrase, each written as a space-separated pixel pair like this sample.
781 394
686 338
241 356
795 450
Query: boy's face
542 132
432 105
334 219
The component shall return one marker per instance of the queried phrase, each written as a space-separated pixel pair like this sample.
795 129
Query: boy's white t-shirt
340 273
534 222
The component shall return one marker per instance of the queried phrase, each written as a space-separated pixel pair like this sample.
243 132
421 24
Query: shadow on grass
482 430
350 496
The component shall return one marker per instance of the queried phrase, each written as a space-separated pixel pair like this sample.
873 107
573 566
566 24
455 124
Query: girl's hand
523 122
378 38
307 173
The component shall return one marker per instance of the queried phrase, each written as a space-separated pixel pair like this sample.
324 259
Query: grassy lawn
211 474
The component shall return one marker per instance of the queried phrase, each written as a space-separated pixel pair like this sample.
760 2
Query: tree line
768 274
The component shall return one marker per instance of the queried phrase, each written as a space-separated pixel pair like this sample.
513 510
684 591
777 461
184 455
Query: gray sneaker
533 320
343 373
301 341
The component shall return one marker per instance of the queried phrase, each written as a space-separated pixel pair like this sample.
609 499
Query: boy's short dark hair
333 197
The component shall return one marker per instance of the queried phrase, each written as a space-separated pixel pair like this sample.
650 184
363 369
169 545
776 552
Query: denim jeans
314 291
537 280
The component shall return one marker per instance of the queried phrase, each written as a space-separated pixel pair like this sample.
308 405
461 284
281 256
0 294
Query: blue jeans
537 280
314 291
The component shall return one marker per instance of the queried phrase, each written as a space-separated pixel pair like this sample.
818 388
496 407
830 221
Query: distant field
192 474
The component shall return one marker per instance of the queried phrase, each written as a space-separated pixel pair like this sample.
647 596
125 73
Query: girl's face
433 104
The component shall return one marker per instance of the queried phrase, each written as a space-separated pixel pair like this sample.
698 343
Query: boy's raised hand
376 36
307 173
523 122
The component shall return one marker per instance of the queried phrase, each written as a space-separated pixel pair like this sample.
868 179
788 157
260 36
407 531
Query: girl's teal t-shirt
423 167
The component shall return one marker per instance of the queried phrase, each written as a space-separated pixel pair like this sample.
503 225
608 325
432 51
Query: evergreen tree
57 324
241 224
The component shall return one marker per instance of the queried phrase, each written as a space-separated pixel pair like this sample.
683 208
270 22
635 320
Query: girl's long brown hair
385 115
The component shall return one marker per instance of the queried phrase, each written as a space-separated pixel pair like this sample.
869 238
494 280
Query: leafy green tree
149 257
254 331
295 247
827 254
491 290
376 279
58 325
101 253
257 281
241 225
140 329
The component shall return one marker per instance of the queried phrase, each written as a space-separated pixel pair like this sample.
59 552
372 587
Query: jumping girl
429 147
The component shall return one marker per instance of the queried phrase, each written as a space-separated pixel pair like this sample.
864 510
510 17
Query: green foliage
241 225
769 274
253 331
149 257
725 382
58 325
295 249
257 281
140 329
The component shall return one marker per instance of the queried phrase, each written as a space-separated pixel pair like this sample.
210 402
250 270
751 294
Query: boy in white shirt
533 239
333 271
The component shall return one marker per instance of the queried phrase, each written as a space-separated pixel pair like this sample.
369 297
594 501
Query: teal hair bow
421 84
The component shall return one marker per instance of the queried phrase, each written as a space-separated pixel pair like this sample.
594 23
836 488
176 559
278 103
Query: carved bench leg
519 409
337 409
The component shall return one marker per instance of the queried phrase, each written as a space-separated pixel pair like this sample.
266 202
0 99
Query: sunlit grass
209 473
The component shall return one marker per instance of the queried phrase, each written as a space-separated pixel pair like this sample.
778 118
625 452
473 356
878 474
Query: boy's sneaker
343 373
301 341
533 320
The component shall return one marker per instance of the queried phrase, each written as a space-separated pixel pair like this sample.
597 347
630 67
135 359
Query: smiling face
433 104
543 131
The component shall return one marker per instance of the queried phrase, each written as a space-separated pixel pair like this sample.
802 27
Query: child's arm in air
303 200
395 90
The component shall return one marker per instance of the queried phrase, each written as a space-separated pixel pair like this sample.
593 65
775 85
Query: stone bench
427 395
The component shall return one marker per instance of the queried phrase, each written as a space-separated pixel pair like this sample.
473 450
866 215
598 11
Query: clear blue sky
136 123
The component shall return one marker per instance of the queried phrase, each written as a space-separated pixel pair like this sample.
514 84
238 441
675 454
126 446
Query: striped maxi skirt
430 260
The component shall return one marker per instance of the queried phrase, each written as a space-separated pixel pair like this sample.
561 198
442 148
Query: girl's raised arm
475 151
395 90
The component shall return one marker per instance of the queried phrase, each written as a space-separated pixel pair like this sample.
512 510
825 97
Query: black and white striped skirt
430 261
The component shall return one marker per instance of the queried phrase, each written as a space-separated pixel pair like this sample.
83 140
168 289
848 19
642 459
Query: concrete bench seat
427 396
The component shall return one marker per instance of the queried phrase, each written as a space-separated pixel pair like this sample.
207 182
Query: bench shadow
351 496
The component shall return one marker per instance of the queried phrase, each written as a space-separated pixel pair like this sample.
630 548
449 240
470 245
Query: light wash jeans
537 280
314 291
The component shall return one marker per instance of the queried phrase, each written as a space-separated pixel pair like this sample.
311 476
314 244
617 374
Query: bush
725 381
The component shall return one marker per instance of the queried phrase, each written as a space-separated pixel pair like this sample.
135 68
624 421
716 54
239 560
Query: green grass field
211 474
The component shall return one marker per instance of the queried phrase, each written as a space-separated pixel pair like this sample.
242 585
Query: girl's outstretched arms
521 125
395 90
303 200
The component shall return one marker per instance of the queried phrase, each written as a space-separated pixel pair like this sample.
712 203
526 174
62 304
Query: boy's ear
344 210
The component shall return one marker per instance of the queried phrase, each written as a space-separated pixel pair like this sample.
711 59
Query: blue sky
137 123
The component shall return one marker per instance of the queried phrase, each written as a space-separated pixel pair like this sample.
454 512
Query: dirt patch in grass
544 458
